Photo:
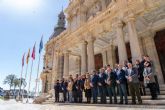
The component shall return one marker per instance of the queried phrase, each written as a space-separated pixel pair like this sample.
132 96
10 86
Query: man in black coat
94 86
140 66
80 86
121 82
64 85
75 90
102 85
57 90
111 85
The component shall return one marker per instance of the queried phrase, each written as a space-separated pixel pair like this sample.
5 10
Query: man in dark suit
75 90
94 86
111 85
102 85
57 90
80 84
133 82
140 66
64 89
121 82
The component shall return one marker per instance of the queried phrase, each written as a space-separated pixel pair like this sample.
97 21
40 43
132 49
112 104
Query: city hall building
101 32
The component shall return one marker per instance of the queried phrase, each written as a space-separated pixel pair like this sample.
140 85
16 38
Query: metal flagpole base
27 101
19 98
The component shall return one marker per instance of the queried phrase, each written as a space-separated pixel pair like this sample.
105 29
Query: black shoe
126 103
133 103
154 98
140 103
120 102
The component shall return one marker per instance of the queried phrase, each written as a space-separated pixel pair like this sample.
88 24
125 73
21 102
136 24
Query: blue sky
22 23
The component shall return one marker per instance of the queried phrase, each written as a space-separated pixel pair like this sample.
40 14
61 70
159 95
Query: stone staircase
146 99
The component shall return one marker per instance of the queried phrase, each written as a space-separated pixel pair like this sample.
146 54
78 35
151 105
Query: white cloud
22 5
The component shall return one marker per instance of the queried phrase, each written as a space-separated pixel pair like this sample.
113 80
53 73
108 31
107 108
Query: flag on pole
41 45
23 59
27 58
33 52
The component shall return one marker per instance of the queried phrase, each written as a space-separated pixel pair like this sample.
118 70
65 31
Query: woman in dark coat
87 87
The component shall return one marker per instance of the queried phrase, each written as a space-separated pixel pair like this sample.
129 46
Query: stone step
162 86
160 97
46 103
154 102
161 92
161 89
51 98
49 101
145 102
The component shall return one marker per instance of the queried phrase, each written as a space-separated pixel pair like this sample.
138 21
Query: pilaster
91 59
83 57
133 38
66 64
121 42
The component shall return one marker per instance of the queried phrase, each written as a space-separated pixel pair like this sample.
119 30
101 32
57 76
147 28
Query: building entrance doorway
128 49
98 61
160 46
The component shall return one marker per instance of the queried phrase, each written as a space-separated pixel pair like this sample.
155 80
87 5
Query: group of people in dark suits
125 79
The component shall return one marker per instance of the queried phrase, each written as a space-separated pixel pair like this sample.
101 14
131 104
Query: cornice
69 39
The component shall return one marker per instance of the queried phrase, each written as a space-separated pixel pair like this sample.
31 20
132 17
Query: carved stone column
66 64
83 57
121 42
152 53
133 38
91 59
78 65
82 16
57 64
110 56
49 77
43 78
104 56
60 66
54 72
103 4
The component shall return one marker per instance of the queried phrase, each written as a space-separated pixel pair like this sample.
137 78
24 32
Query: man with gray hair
133 82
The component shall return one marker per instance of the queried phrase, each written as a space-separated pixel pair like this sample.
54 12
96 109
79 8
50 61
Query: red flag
23 59
33 52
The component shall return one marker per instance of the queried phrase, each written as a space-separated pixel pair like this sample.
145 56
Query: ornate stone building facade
101 32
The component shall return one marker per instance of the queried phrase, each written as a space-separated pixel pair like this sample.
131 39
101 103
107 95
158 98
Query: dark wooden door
128 49
160 46
98 61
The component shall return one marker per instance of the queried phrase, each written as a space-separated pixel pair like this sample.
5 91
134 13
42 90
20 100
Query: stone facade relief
94 10
108 2
49 58
73 65
73 24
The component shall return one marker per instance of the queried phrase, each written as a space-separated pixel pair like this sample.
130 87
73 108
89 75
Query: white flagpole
30 81
26 70
19 95
38 86
25 78
37 74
